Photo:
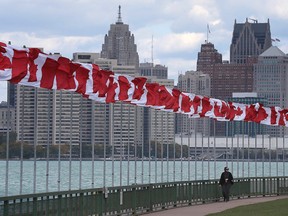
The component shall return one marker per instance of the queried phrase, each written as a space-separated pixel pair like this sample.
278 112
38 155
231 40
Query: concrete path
204 209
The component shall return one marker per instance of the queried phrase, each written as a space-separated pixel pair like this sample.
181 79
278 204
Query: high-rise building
241 127
11 88
120 44
149 69
126 121
207 58
116 124
7 118
249 40
195 82
45 117
158 125
271 81
226 77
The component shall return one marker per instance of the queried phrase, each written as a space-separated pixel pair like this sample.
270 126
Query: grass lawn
271 208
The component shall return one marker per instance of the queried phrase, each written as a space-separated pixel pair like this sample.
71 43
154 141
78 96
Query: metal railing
137 199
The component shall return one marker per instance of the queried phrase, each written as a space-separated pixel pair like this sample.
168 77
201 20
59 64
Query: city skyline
178 27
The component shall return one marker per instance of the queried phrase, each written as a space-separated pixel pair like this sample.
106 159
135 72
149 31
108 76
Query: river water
26 177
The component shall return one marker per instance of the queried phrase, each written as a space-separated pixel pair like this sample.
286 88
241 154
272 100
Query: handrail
137 199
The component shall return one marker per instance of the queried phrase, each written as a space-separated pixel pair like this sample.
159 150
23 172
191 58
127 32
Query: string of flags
32 67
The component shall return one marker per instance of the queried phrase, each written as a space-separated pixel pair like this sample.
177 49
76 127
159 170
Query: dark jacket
226 178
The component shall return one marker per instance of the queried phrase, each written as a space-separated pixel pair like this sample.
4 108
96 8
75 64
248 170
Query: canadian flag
31 67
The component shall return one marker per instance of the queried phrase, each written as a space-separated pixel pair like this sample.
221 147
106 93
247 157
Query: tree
12 137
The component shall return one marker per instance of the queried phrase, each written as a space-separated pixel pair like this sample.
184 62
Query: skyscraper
271 81
198 83
158 126
149 69
126 121
118 124
249 40
120 44
241 127
162 123
45 117
207 58
226 77
7 118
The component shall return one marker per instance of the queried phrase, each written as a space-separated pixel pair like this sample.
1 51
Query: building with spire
249 40
125 121
119 44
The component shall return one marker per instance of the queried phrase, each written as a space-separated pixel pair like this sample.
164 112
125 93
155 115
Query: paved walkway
204 209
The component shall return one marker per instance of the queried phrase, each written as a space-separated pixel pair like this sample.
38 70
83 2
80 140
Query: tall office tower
247 128
45 117
271 81
149 69
159 126
11 88
195 82
120 44
249 40
126 121
207 58
7 119
94 116
225 78
164 131
116 124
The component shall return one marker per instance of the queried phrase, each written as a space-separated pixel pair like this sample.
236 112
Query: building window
84 56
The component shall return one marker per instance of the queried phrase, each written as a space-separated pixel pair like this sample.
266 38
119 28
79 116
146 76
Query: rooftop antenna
254 20
152 58
208 32
119 16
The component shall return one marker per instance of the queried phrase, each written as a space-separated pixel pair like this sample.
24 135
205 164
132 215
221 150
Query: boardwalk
202 210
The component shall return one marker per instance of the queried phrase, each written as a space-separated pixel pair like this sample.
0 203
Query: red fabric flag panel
31 67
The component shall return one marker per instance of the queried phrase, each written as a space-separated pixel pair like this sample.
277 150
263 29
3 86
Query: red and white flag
31 67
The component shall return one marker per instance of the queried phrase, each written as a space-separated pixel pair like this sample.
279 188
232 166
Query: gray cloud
178 27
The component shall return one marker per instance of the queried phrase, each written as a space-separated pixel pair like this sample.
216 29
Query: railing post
105 198
47 205
175 195
190 193
217 195
278 188
6 208
134 200
249 183
162 196
81 203
238 186
264 187
59 207
203 192
35 206
150 197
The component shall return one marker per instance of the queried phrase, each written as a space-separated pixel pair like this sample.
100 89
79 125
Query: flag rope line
31 67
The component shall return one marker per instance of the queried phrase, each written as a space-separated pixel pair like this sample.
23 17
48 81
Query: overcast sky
178 27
